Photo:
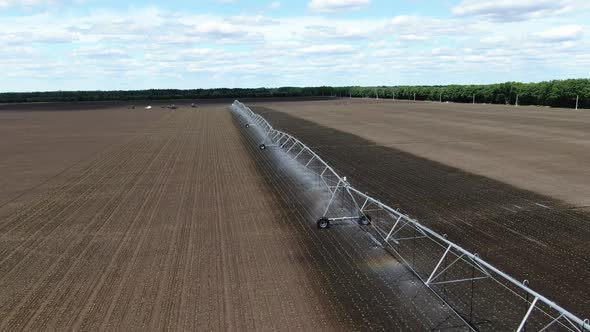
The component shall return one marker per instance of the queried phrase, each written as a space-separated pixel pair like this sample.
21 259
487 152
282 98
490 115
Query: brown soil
38 146
364 285
141 220
133 220
139 104
528 235
536 148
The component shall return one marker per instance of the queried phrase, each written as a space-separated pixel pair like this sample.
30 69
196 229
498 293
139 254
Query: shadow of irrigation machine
482 296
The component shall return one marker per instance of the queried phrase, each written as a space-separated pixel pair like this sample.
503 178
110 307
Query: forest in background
556 93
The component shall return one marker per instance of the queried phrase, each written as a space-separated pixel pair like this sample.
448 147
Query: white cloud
428 26
45 36
100 52
412 37
327 49
330 6
22 3
562 33
492 39
185 55
36 3
511 10
18 52
218 29
251 20
332 32
223 32
156 47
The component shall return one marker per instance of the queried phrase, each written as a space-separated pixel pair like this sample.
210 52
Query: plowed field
121 219
134 220
529 235
540 149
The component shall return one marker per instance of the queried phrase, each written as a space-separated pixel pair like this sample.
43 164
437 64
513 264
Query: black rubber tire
365 220
323 223
262 147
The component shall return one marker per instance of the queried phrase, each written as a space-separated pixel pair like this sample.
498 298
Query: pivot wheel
247 125
323 223
365 220
262 147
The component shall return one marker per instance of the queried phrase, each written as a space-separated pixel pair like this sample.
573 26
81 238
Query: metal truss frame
394 227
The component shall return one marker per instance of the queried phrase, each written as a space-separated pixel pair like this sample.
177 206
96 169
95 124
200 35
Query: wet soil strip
360 282
509 227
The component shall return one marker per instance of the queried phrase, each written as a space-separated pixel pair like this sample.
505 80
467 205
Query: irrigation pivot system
482 296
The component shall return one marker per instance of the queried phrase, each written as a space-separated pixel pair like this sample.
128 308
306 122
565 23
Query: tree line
556 93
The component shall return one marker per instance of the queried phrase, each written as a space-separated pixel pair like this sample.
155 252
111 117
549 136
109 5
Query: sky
48 45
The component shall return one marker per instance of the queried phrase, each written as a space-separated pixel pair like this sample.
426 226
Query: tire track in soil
120 265
268 169
334 306
304 257
283 276
131 294
152 285
214 249
194 245
471 209
254 225
224 270
261 306
177 299
162 264
174 257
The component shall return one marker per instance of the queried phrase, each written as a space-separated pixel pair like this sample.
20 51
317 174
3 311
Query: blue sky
88 44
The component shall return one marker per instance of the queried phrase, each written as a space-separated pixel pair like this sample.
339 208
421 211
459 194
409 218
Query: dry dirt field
131 220
38 146
134 220
535 148
119 219
509 184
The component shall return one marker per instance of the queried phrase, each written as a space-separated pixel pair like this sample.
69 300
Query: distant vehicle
193 105
148 107
172 106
